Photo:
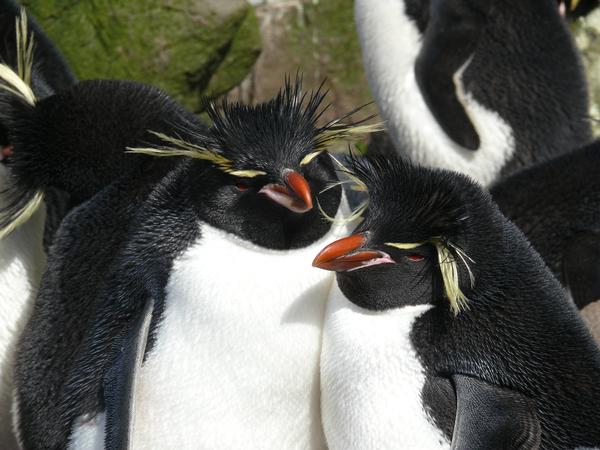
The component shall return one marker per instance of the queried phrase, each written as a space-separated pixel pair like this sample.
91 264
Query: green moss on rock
188 48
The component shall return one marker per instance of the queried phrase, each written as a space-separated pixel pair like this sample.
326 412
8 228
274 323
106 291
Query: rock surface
189 48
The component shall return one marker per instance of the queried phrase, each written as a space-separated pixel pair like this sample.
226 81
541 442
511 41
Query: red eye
415 257
6 152
241 186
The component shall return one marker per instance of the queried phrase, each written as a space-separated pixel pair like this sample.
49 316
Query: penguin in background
573 9
481 87
204 329
446 329
22 253
557 206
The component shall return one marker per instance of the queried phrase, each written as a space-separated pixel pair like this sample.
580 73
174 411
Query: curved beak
295 195
348 254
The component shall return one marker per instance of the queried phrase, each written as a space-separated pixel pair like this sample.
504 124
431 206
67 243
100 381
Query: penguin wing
581 267
489 416
449 42
119 382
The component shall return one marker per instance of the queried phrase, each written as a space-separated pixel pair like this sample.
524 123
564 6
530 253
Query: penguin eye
242 186
414 257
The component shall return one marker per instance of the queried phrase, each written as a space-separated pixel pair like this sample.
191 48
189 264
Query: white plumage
22 260
236 358
371 380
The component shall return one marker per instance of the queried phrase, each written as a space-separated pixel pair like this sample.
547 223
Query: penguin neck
285 237
391 42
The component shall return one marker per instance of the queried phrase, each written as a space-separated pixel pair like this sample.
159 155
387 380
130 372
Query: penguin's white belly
390 44
371 380
22 261
236 360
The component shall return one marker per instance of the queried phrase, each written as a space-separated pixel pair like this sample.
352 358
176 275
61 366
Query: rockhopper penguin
211 287
480 87
22 255
446 329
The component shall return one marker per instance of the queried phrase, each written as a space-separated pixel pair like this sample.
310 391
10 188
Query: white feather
88 433
391 43
22 260
372 379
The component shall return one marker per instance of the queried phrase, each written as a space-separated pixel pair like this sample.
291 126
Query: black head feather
282 130
417 203
277 134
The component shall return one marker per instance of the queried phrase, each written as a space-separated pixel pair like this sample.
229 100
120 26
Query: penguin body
482 88
503 358
238 207
557 206
247 350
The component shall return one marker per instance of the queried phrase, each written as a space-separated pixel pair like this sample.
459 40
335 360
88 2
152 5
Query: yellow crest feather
179 147
308 158
196 151
448 268
338 132
23 215
18 83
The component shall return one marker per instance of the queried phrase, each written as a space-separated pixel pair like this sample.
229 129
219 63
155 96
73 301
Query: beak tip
300 187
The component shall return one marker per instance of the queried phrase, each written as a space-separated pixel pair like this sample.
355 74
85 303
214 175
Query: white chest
371 380
22 260
236 361
391 43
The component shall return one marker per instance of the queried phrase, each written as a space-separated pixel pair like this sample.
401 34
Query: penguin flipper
449 42
489 416
119 383
581 268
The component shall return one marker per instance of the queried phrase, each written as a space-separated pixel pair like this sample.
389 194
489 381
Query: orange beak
346 254
295 195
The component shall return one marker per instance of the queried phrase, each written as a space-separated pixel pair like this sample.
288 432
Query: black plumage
517 343
50 73
557 206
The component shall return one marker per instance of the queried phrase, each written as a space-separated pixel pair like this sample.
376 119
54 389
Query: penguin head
258 169
417 243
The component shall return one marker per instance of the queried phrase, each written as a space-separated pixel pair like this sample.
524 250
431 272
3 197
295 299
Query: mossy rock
189 48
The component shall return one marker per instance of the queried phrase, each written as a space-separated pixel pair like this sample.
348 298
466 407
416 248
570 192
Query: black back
78 265
555 204
76 139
